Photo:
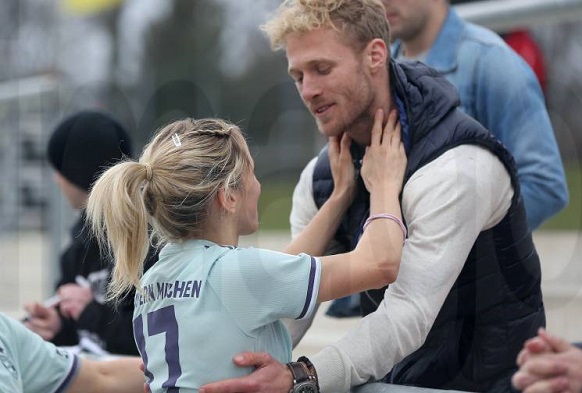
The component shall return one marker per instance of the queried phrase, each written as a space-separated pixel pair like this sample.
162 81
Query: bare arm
113 376
315 238
376 259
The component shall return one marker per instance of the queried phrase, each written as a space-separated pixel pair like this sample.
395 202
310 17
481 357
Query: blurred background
151 61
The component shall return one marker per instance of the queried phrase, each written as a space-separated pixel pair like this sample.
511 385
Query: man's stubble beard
359 129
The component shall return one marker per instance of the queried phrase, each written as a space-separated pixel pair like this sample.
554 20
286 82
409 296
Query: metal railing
385 388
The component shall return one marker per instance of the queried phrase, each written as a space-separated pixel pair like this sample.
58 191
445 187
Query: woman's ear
228 201
377 54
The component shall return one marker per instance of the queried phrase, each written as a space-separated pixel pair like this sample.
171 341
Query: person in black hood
80 148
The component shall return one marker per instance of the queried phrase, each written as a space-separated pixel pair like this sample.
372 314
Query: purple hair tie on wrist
389 217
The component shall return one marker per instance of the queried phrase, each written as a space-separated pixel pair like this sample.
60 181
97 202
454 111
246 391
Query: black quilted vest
496 302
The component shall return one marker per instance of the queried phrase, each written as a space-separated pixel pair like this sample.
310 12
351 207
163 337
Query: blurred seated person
80 148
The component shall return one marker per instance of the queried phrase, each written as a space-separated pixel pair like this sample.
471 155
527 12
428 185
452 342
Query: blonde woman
207 299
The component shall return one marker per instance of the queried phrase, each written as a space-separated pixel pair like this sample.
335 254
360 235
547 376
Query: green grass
275 204
571 217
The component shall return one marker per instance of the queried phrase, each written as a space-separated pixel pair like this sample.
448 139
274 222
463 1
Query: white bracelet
389 217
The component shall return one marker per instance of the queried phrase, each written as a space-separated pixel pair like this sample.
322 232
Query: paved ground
24 277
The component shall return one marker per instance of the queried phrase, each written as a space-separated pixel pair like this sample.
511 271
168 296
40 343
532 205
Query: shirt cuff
331 372
312 288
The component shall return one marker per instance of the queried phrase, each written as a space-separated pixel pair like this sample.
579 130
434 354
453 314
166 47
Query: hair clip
176 140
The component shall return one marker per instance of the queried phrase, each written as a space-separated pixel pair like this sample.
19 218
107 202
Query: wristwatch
304 376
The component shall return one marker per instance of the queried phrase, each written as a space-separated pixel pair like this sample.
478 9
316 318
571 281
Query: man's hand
269 376
533 346
548 364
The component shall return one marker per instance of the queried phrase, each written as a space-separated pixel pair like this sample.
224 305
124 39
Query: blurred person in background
496 87
80 148
524 44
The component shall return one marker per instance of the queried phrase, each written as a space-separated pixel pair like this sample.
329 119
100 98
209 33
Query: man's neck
360 130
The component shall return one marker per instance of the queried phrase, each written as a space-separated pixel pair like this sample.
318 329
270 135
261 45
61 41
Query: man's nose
310 89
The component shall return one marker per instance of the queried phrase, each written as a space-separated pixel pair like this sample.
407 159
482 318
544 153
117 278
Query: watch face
305 387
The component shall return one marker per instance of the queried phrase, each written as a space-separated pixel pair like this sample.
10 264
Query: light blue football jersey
31 365
203 303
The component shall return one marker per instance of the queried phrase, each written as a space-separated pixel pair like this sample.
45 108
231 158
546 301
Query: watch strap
299 372
311 372
303 372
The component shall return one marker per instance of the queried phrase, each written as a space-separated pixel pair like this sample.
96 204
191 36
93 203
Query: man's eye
324 70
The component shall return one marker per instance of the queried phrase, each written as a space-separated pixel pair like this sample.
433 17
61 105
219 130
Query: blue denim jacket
501 91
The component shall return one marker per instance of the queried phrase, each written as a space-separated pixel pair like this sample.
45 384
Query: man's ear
376 54
228 201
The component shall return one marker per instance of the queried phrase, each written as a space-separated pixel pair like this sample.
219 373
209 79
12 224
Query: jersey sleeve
258 286
44 368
